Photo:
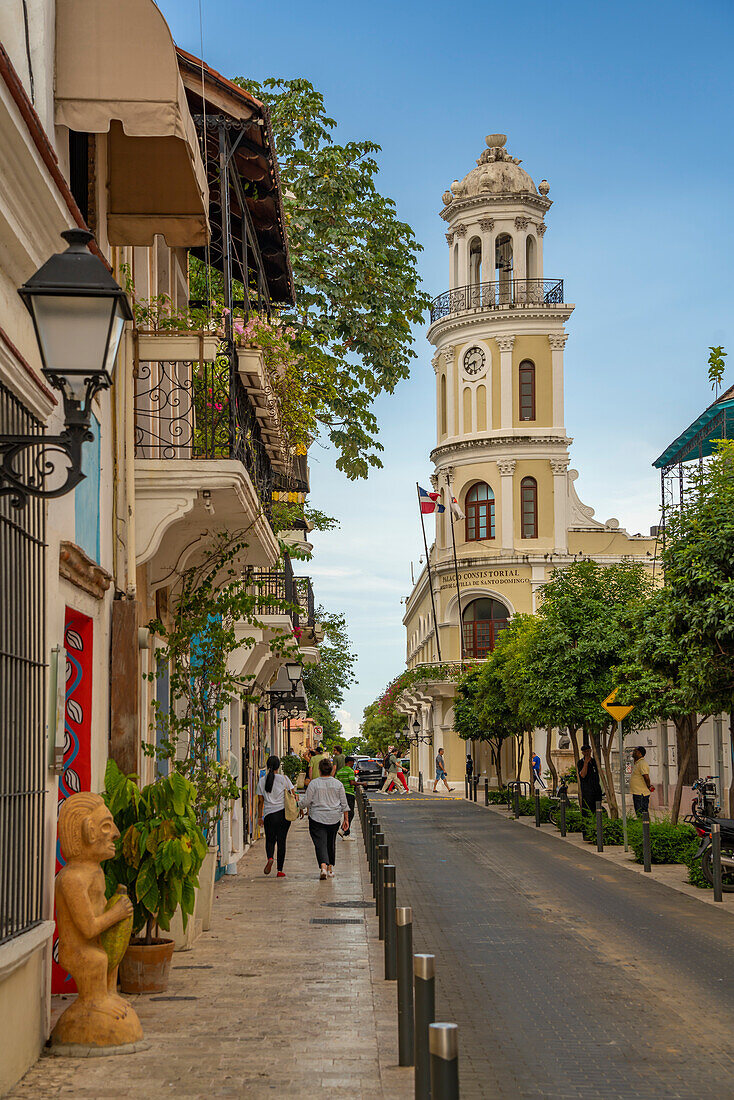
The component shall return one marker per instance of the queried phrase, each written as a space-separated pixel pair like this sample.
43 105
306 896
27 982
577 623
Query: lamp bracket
29 462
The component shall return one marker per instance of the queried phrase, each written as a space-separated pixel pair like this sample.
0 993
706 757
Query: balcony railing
513 293
280 592
203 411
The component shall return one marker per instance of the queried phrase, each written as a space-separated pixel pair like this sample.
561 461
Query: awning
117 74
700 438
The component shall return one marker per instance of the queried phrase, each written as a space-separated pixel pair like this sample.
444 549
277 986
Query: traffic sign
319 731
617 712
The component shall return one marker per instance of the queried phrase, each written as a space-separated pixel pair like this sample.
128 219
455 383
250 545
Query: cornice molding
497 443
487 198
79 569
455 322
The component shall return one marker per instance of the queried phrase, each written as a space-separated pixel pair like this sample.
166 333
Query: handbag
290 805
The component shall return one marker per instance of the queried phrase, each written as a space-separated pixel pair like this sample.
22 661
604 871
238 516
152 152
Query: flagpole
428 567
449 493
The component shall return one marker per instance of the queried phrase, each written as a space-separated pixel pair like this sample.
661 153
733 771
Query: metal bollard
516 801
646 853
537 809
443 1045
476 784
486 791
369 825
404 942
509 799
420 781
466 786
716 860
389 905
378 839
382 859
371 829
563 817
599 828
424 984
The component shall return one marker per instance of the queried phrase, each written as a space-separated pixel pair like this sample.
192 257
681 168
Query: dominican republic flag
456 511
429 502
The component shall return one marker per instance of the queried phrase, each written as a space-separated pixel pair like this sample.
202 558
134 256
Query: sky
626 109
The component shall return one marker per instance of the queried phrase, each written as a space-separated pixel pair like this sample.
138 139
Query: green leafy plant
716 367
160 849
668 843
292 766
696 876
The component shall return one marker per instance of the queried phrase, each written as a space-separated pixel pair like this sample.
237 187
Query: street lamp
294 672
416 728
79 314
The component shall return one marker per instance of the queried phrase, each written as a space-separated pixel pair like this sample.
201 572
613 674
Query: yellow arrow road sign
618 712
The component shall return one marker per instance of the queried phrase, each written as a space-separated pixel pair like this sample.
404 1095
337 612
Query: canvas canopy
117 74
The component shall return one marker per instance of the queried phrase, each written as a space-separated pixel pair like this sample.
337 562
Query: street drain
174 998
337 920
348 904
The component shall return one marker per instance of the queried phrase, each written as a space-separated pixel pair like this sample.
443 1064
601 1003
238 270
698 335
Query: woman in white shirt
271 811
326 802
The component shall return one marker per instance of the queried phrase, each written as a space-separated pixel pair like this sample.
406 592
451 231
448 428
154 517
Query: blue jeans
641 802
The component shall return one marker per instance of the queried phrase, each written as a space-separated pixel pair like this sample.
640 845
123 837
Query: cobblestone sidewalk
268 1003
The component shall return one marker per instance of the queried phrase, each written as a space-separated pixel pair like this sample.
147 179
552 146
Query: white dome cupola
495 229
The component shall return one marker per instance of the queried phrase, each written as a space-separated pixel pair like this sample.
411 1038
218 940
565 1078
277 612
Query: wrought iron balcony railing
513 293
280 592
200 410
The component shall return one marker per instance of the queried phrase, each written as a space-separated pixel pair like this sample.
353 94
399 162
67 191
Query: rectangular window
529 502
527 391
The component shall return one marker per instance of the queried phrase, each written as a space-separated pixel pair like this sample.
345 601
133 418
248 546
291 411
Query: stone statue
98 1017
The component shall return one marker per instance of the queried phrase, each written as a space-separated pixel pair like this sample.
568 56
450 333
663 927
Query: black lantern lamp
79 313
416 729
287 693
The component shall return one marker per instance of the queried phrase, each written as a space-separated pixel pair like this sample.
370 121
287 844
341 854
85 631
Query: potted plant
159 853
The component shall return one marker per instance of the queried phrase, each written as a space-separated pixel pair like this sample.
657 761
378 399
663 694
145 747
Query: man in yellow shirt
640 786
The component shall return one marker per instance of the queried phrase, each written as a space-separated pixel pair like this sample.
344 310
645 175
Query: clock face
474 361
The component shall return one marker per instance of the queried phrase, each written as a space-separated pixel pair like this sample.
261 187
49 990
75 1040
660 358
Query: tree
584 631
354 267
698 562
478 714
383 727
716 368
326 682
657 680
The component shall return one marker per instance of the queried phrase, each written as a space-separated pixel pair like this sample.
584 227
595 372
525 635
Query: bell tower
499 336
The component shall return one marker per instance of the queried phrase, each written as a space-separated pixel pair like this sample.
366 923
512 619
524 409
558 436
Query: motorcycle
705 812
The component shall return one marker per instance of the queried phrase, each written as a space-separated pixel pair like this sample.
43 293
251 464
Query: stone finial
496 141
544 187
93 933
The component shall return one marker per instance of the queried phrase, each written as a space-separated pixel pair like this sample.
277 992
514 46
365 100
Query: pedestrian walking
391 767
441 772
537 777
640 786
347 778
339 758
271 796
402 778
318 756
589 781
326 802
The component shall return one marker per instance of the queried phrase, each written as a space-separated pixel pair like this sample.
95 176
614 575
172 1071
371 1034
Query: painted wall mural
77 772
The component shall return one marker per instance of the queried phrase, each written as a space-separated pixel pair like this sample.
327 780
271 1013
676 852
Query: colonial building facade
501 445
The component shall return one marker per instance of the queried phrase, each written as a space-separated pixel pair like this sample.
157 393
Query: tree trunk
607 741
576 756
496 757
686 735
548 757
519 755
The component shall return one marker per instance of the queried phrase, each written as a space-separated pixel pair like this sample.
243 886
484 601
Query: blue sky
626 109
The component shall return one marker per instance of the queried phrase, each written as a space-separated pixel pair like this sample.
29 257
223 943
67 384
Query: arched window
482 622
527 390
475 261
529 505
479 513
444 419
530 258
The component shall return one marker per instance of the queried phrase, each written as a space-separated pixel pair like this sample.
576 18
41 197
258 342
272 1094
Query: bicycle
561 795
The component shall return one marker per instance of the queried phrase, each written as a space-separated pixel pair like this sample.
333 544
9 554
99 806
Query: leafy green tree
478 713
716 367
383 727
354 266
584 631
698 561
660 680
326 682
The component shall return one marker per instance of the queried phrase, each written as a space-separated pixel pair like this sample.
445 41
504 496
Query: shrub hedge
668 843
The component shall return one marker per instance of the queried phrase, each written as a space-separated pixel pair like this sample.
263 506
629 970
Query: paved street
270 1002
569 977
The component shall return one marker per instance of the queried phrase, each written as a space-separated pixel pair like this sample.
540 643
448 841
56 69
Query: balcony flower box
177 347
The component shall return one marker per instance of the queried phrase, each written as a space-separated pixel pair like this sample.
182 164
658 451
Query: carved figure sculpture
98 1017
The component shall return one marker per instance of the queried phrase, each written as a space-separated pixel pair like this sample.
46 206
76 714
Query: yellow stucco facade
499 334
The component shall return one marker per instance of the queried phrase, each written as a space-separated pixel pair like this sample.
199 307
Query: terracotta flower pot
145 967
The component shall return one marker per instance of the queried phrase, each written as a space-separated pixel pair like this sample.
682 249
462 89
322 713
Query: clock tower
502 452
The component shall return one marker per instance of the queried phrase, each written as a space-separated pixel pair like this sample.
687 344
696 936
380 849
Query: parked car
368 771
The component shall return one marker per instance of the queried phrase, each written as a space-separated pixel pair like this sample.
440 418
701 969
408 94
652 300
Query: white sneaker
330 873
322 874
